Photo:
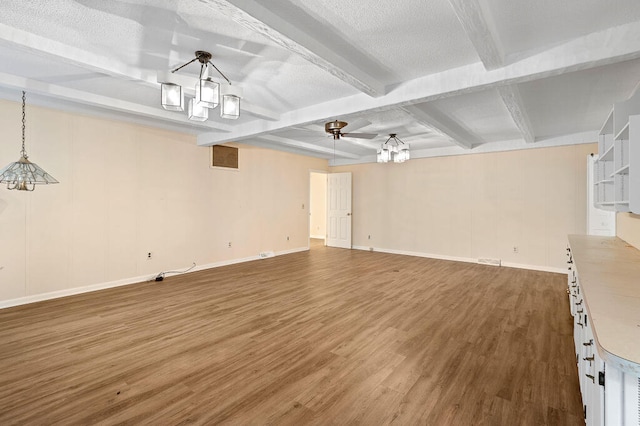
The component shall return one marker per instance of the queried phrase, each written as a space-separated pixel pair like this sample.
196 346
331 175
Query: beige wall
126 190
475 206
318 205
628 228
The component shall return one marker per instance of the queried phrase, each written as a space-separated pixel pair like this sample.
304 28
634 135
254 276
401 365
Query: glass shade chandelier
208 93
24 175
393 150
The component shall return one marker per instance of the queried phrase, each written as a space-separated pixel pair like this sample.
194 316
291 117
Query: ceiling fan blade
355 125
359 135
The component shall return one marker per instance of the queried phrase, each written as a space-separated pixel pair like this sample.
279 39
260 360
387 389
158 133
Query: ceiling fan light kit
24 175
208 93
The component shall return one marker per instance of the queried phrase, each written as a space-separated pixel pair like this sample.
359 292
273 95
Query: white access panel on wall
339 210
599 222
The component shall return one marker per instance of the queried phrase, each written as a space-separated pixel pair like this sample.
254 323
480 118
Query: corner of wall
628 228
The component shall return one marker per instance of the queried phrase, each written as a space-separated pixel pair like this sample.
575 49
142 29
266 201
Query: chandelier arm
219 72
184 65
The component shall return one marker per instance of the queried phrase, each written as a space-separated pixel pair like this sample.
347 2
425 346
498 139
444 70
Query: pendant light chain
24 151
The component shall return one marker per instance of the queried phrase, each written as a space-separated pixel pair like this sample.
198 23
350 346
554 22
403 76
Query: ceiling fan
334 128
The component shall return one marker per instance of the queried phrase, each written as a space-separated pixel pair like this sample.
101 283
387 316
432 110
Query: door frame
326 173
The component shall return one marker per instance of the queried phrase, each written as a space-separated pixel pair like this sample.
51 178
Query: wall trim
462 259
319 237
127 281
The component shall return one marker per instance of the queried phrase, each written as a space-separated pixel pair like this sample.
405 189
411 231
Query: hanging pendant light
393 150
24 175
208 93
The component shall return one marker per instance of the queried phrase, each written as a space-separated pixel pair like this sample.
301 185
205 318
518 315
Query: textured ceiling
448 76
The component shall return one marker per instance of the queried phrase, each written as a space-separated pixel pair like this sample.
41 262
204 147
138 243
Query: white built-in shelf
624 133
617 170
621 171
607 127
607 155
603 181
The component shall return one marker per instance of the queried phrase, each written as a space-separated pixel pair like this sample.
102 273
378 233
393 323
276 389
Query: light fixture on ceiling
24 175
393 150
208 93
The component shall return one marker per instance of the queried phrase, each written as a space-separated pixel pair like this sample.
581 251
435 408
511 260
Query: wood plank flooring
329 336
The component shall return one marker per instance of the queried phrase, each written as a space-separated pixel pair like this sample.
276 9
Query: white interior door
339 210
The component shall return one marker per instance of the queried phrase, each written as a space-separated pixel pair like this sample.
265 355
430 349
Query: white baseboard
291 251
535 267
71 291
417 254
318 237
127 281
463 259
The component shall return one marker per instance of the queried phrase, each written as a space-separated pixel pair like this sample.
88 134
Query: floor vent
265 254
492 262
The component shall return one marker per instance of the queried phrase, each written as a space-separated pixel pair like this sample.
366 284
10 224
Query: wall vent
265 254
224 156
487 261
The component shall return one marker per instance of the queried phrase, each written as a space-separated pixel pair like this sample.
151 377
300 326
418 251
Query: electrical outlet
303 207
369 237
515 249
229 244
149 255
287 238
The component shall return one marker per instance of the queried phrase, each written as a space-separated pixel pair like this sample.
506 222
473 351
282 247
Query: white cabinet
617 170
604 295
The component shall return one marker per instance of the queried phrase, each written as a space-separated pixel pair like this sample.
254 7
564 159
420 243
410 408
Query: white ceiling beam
307 146
259 18
431 118
71 55
480 34
513 101
602 48
478 30
85 98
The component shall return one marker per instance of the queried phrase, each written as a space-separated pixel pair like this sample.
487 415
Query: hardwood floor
329 336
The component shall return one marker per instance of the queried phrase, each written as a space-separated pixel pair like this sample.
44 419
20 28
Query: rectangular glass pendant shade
384 155
230 101
404 153
230 107
196 112
207 93
172 98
